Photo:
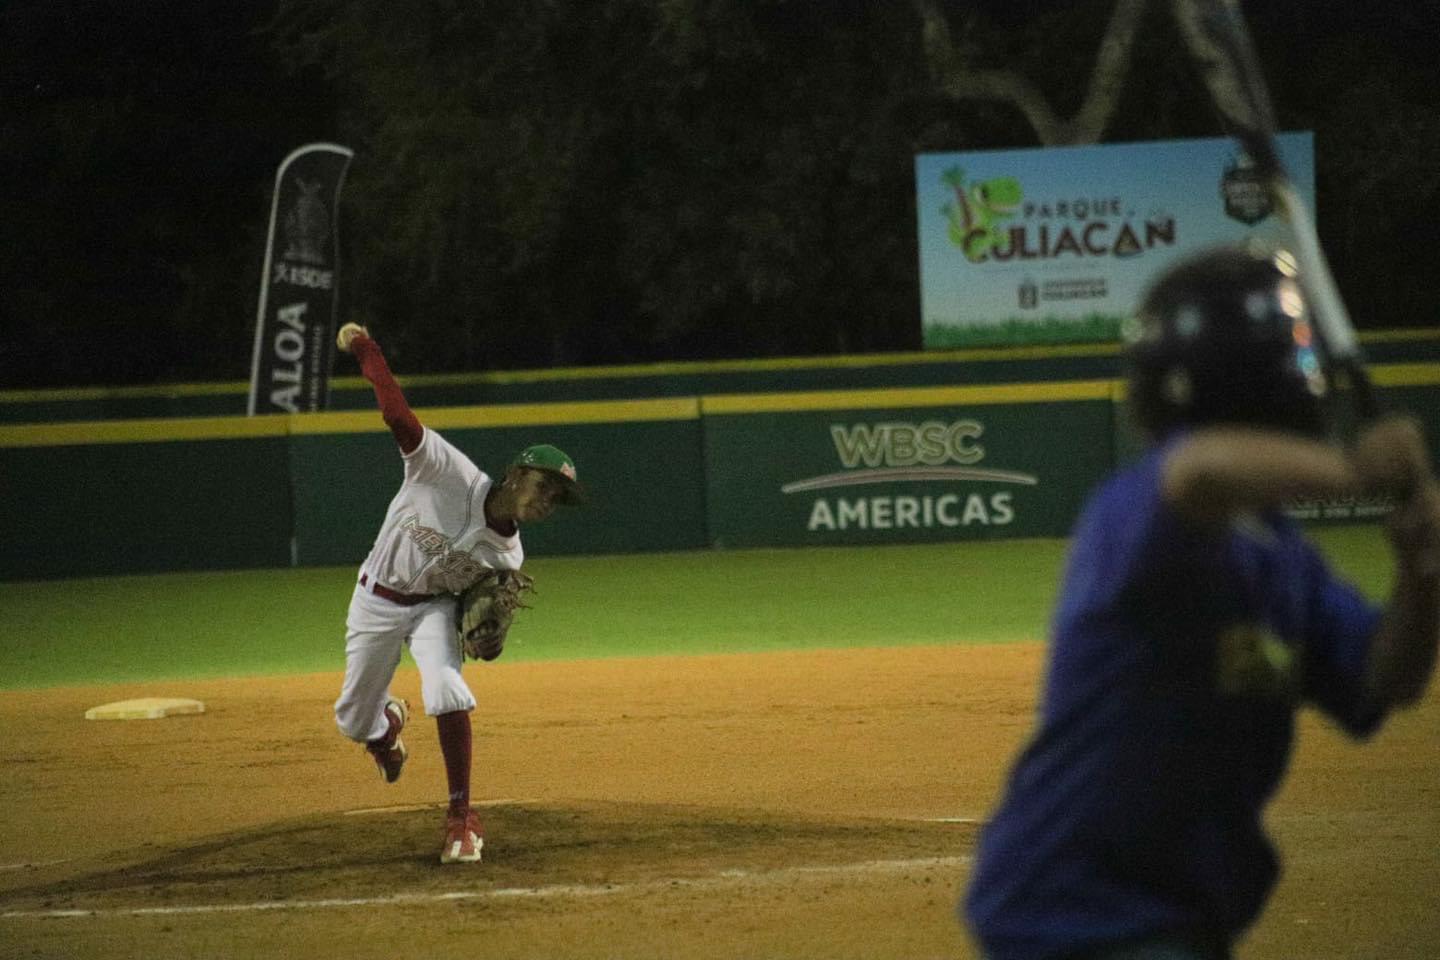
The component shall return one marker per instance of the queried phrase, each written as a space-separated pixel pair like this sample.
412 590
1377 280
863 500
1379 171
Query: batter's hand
1390 457
347 333
1414 529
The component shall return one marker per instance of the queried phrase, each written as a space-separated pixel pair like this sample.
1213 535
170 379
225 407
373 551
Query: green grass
1024 332
192 625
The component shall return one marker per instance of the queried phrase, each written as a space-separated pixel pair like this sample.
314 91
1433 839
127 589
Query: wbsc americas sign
1057 245
1014 466
932 452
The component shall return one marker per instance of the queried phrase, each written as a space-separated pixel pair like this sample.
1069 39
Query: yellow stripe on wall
76 394
675 368
907 397
157 430
772 364
161 430
1405 374
664 369
509 415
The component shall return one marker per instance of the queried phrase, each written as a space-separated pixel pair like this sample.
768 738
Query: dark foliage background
549 183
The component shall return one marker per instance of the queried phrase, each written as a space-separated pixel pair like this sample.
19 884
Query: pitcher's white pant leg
375 632
437 654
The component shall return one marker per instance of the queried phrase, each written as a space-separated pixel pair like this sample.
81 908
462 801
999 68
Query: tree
962 71
139 150
542 183
638 181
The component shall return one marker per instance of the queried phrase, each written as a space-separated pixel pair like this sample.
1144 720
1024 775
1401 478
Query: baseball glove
487 608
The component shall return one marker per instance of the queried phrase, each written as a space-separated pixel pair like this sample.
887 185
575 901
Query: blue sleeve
1158 549
1133 552
1339 626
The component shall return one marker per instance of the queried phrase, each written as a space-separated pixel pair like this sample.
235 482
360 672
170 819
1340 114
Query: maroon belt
394 596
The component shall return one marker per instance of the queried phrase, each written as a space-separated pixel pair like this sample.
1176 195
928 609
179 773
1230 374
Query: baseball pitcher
443 576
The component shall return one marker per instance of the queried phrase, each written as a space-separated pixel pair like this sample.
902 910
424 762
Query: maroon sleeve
397 413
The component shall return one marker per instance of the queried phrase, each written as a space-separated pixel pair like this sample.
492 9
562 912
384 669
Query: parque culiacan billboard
1056 245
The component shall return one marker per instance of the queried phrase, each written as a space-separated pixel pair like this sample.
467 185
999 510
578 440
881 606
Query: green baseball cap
543 456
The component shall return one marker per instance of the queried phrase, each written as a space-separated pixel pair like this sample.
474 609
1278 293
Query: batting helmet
1225 337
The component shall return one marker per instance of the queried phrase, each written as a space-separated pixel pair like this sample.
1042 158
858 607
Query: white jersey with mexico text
435 539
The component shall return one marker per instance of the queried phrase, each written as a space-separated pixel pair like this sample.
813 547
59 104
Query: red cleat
464 838
389 751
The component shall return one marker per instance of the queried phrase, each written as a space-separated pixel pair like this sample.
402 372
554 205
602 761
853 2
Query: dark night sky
140 140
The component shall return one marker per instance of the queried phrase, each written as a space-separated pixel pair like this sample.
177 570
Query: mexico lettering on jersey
434 538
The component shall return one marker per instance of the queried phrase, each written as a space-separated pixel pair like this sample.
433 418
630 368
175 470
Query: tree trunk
958 77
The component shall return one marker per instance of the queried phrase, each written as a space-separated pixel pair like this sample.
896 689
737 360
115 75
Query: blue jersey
1179 655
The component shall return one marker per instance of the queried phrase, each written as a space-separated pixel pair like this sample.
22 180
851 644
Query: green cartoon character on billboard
979 210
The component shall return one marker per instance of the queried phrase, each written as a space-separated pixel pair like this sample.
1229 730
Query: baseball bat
1220 44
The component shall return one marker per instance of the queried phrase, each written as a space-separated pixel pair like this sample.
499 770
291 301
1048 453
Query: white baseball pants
375 632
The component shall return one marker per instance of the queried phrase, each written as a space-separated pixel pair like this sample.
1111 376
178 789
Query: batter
1195 619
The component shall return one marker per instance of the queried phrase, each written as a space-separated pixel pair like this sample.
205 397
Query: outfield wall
932 368
794 468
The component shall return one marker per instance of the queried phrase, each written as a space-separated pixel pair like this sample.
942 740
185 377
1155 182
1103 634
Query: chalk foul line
724 878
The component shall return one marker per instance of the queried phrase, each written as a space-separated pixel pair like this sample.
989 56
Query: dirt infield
817 804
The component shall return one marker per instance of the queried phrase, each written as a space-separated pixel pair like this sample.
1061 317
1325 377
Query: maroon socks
455 746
